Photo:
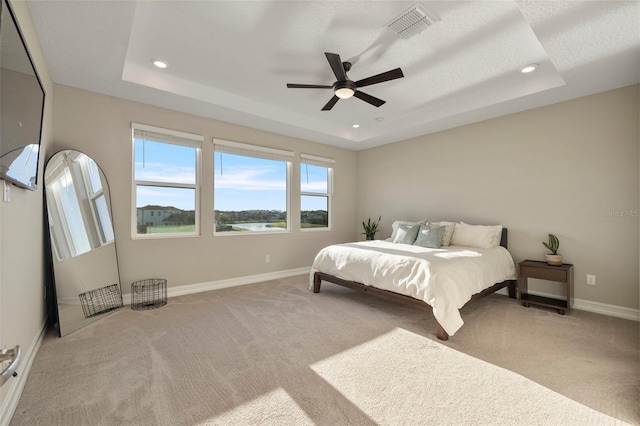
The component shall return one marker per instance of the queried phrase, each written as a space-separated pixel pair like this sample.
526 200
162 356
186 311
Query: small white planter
554 259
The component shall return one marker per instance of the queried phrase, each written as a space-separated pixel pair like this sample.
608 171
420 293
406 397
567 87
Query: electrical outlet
267 258
591 279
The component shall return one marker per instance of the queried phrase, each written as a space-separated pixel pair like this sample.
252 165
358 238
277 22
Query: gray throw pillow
430 236
406 234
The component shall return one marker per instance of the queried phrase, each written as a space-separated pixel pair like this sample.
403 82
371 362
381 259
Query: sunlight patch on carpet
404 377
275 407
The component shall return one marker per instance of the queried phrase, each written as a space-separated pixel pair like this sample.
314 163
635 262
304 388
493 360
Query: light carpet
275 353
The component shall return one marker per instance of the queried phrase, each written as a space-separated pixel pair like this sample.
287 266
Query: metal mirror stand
85 264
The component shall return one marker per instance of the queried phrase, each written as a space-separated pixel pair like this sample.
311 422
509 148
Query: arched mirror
85 265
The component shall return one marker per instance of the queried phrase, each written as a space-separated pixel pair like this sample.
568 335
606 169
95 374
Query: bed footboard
318 277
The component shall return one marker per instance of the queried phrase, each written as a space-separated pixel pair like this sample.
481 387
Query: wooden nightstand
541 270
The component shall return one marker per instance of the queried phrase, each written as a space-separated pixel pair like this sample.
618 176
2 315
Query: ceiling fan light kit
344 88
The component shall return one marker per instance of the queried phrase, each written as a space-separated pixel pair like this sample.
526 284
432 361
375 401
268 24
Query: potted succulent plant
371 227
554 258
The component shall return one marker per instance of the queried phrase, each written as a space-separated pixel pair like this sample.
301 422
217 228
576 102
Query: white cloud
249 179
176 197
163 172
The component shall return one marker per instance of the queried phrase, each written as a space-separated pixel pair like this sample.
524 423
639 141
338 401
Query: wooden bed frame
318 277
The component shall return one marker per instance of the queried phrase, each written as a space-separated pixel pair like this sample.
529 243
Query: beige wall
564 169
100 126
22 303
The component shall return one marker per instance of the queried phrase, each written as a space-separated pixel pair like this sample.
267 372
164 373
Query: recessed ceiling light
159 64
355 126
529 68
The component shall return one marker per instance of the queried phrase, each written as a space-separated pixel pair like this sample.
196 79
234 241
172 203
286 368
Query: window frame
171 137
328 163
243 149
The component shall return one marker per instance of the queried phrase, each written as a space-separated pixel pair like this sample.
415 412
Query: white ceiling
231 60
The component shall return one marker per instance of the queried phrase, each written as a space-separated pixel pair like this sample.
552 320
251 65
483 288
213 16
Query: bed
442 280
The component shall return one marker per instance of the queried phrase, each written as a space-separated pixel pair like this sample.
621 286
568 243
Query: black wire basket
100 300
148 294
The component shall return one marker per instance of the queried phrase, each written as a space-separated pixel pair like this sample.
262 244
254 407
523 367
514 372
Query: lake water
256 226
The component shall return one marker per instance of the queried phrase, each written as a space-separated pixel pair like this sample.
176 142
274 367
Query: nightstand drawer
550 273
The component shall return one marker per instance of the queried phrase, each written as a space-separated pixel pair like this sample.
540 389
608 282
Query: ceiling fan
344 88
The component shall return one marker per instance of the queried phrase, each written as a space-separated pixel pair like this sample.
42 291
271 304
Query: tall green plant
371 227
553 244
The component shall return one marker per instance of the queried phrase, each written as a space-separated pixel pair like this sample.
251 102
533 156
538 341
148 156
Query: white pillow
394 226
449 227
476 235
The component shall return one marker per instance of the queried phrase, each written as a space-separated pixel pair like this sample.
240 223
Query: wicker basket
100 300
148 294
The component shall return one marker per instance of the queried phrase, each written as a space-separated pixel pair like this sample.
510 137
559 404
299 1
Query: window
78 212
316 184
166 175
251 188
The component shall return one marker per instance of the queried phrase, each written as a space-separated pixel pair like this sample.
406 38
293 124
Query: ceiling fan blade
379 78
331 103
336 66
368 98
307 86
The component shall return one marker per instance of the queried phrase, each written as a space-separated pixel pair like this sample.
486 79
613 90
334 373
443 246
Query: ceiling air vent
412 22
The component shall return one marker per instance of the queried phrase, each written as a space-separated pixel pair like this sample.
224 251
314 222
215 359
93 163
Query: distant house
156 215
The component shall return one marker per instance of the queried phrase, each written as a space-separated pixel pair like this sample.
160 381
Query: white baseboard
595 307
16 385
231 282
579 304
605 309
75 301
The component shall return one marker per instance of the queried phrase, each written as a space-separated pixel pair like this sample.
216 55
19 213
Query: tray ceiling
231 60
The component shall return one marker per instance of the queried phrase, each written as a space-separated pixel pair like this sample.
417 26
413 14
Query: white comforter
445 278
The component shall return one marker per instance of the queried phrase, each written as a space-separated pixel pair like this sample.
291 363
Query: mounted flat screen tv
21 105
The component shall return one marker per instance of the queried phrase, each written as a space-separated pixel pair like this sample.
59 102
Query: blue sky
241 183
